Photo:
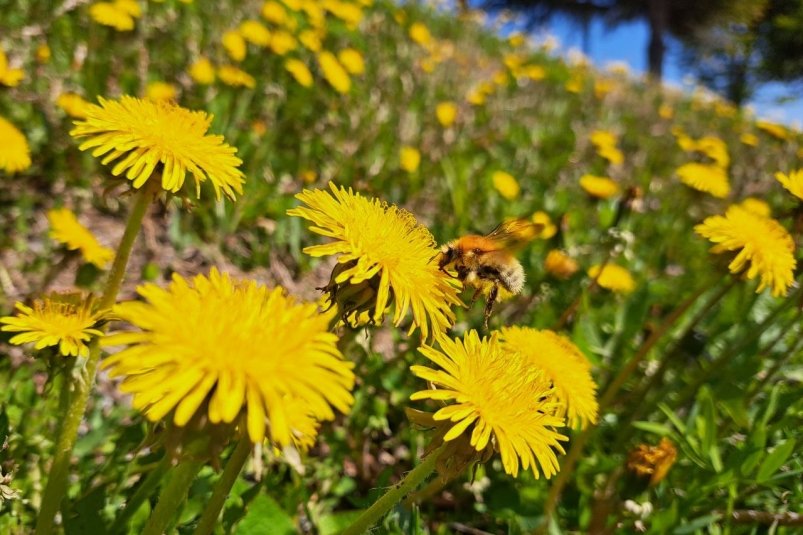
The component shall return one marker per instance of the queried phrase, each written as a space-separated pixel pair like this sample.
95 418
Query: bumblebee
488 263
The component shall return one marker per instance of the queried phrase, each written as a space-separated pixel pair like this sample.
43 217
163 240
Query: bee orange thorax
472 241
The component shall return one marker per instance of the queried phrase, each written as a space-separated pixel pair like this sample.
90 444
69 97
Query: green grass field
695 352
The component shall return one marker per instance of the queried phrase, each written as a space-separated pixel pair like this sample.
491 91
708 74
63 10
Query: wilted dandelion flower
161 91
334 72
73 105
65 228
299 71
110 14
510 403
142 134
255 32
760 241
613 277
202 71
234 43
793 182
235 77
282 42
446 112
63 320
384 256
221 348
506 185
420 34
600 187
548 228
9 77
653 461
409 158
564 365
15 155
708 178
560 265
352 60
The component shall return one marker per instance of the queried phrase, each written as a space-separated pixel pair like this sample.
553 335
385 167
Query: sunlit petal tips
233 351
763 247
564 364
384 256
500 400
65 228
139 135
792 181
63 320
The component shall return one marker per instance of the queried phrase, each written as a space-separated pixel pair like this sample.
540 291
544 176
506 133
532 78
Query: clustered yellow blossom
763 247
409 158
231 351
506 184
509 404
446 112
65 228
548 228
613 277
64 320
143 134
235 77
600 187
605 143
15 155
383 256
334 72
202 71
119 14
299 70
560 265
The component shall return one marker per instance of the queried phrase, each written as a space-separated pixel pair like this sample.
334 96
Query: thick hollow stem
171 497
57 477
233 467
373 514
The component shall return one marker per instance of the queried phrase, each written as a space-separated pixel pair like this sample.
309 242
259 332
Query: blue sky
628 43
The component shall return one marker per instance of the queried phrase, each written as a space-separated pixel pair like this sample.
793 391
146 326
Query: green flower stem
430 490
215 504
373 514
568 463
71 419
142 493
172 495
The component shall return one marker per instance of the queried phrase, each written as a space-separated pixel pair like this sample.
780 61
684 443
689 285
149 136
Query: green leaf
679 425
707 419
654 428
775 460
336 522
697 523
265 517
716 459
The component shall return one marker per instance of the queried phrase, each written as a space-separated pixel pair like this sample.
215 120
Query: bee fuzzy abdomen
513 278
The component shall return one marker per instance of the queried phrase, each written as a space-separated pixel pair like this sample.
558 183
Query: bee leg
474 297
489 305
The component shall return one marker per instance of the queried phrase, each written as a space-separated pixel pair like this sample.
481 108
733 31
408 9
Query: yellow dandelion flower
749 139
564 364
311 40
334 72
760 241
510 403
15 155
161 91
665 111
534 72
129 6
73 105
236 77
255 32
295 5
299 71
142 134
234 43
383 255
352 60
63 320
282 42
506 185
274 12
653 461
239 349
65 228
446 112
775 130
605 144
575 84
43 53
707 178
409 158
349 13
517 39
600 187
560 265
202 71
793 182
548 228
612 277
756 206
420 34
9 77
711 146
602 87
109 14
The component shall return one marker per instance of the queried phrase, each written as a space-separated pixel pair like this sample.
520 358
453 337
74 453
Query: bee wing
515 233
